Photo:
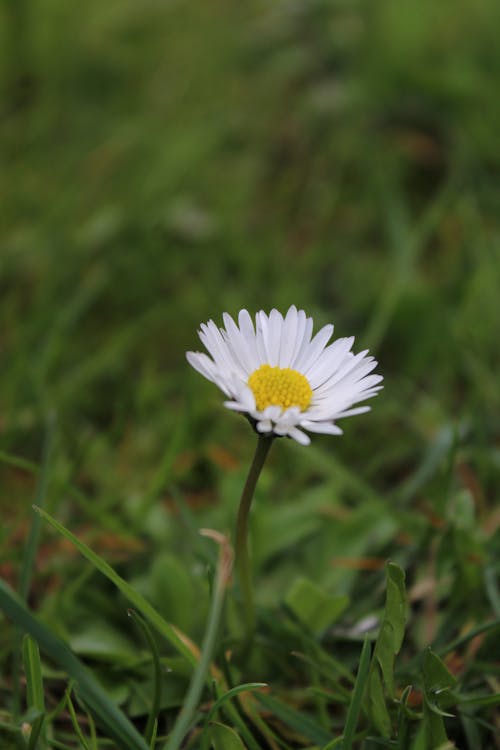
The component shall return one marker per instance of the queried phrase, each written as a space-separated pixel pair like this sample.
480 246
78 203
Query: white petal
289 337
217 347
264 426
261 334
272 412
327 428
242 393
299 436
303 339
202 363
235 406
281 429
238 345
272 337
312 352
340 399
291 417
246 325
353 412
353 369
329 361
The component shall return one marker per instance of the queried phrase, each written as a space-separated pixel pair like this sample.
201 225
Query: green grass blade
480 700
34 688
199 676
36 730
41 491
137 600
248 686
357 696
472 633
18 462
151 725
223 701
240 724
29 555
74 721
110 718
33 670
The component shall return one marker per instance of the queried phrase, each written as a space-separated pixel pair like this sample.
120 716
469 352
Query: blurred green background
163 162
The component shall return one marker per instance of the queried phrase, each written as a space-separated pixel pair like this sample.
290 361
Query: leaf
313 606
137 601
300 722
101 641
33 670
395 606
375 703
384 654
152 723
437 681
480 700
388 644
223 737
172 590
291 523
357 696
35 721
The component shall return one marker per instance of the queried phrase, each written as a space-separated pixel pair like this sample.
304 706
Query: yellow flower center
277 386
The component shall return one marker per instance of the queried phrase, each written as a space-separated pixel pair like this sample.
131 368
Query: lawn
163 163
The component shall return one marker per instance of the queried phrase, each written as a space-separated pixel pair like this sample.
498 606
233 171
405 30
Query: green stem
30 552
241 545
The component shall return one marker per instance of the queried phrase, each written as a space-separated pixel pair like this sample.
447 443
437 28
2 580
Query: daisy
283 379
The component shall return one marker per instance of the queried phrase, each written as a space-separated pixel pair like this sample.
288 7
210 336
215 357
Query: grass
163 163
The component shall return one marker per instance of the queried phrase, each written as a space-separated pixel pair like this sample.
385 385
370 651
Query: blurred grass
164 162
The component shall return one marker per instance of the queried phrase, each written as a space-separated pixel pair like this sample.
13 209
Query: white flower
281 378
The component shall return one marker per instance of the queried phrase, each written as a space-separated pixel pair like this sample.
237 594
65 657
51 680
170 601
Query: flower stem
241 545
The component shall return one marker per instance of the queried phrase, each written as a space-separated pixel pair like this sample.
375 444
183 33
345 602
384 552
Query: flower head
281 378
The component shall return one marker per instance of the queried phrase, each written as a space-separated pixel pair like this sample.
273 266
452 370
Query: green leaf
172 590
112 720
36 721
375 703
300 722
101 641
403 719
384 654
437 683
313 606
291 524
74 721
357 696
137 601
436 674
223 737
388 644
33 670
395 606
152 723
34 689
479 700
